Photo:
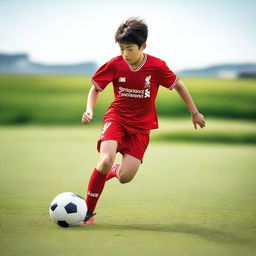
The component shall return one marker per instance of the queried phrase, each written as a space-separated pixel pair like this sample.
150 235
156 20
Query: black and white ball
68 209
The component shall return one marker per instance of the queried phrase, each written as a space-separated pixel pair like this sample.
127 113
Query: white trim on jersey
140 66
174 83
96 85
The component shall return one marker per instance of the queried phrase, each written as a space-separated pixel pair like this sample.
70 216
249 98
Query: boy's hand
87 117
198 119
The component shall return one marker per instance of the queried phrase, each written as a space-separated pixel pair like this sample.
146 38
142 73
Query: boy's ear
143 47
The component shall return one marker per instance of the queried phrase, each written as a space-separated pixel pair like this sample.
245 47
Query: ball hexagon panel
53 207
71 208
63 223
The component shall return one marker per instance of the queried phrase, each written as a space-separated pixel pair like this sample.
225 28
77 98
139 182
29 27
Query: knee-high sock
95 188
114 172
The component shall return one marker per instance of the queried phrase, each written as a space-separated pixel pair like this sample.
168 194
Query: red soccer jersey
135 89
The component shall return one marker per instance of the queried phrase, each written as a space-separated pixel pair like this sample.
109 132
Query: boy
136 77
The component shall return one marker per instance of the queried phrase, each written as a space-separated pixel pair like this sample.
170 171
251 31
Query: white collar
141 64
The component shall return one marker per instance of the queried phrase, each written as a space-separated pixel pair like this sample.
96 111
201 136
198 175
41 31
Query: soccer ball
68 209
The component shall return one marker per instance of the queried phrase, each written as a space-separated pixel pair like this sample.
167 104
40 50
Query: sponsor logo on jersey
122 79
147 93
134 93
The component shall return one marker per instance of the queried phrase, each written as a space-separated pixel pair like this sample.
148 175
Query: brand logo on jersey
147 93
105 127
122 79
147 81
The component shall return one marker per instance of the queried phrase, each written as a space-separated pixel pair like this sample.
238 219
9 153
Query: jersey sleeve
166 77
103 76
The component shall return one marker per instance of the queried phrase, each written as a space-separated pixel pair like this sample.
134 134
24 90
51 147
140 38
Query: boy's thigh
108 147
129 167
107 155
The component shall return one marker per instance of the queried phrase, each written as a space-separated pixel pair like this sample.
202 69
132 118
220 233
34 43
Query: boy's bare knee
124 180
105 163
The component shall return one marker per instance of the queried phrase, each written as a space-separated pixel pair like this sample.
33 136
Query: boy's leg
128 168
113 172
125 171
97 180
132 149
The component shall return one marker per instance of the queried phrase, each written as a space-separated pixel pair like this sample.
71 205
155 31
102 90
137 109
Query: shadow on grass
205 233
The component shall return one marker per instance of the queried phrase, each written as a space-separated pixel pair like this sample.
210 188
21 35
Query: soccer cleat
88 220
88 216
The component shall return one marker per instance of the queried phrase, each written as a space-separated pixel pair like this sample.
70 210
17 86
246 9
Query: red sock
95 187
113 172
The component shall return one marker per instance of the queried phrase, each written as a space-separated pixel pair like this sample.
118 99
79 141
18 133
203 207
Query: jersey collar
141 64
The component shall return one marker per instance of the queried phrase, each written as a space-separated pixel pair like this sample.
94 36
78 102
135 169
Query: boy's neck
138 62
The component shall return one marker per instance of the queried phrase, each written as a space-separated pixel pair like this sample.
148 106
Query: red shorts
130 140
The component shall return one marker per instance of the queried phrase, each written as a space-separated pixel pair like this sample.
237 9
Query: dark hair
133 30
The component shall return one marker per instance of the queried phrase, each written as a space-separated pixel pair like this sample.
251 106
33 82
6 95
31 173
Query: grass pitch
187 199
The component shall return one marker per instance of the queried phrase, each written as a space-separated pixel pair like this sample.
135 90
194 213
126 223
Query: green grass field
187 199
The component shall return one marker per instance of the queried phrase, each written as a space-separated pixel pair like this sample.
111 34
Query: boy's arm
91 100
197 118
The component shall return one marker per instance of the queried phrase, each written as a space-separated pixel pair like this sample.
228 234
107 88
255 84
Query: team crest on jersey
122 79
147 81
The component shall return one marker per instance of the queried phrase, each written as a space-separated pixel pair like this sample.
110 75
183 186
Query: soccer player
136 77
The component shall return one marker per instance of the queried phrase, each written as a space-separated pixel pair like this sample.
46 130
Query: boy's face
131 52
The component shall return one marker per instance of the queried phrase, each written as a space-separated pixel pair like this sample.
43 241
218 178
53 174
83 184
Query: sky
184 33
